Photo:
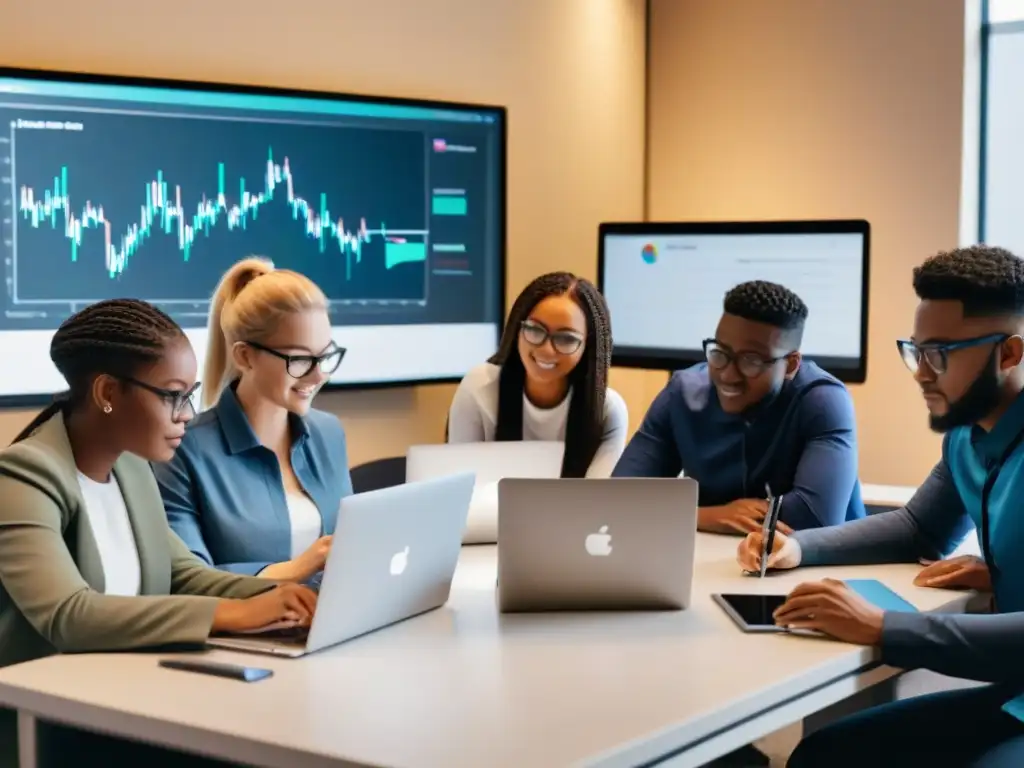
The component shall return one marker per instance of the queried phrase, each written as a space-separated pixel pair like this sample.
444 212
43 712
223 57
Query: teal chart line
163 211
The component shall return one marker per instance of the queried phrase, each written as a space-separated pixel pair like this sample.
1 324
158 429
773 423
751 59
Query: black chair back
377 474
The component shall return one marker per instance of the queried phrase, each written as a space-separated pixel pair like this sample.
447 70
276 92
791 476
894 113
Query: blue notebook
881 596
877 593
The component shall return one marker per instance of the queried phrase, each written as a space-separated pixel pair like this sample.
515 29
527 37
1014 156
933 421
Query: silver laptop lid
491 462
609 544
393 555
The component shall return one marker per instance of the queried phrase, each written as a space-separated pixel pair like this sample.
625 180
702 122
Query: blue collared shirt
224 493
802 443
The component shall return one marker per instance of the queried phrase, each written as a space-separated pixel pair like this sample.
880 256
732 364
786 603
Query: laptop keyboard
289 633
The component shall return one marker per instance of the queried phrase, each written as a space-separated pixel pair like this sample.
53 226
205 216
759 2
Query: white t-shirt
473 418
112 530
305 522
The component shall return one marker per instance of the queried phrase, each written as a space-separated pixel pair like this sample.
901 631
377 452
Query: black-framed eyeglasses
178 399
564 342
936 354
749 364
300 366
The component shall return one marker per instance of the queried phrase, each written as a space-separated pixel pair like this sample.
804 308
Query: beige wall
570 71
821 108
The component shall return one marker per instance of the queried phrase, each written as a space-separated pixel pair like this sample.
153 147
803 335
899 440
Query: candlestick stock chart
115 187
126 205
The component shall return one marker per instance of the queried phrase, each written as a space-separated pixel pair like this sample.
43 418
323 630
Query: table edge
128 725
645 748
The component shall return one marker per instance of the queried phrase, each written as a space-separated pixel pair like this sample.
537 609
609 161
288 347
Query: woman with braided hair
549 379
87 559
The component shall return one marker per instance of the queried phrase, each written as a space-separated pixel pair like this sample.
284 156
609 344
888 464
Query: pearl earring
108 408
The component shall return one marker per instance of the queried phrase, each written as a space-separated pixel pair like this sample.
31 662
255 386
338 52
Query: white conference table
466 686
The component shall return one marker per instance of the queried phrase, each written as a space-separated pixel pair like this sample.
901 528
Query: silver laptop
491 462
393 556
611 544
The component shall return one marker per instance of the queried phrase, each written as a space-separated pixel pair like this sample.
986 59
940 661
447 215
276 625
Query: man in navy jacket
755 415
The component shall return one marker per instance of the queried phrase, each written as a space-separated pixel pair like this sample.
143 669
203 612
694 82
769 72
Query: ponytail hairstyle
115 337
248 304
589 379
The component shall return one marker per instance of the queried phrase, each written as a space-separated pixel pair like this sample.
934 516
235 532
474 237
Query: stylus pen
773 523
766 529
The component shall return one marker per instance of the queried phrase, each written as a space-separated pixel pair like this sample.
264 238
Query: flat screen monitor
124 187
665 284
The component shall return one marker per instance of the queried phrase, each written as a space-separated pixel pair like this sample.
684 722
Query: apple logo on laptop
399 561
599 544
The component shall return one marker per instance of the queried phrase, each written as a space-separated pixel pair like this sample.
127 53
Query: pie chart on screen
649 254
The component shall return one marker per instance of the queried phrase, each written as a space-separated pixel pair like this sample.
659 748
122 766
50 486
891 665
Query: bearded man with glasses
965 354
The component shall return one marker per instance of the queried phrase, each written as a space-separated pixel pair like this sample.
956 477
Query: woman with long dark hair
549 379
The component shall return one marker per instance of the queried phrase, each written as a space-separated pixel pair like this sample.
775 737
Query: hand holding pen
785 553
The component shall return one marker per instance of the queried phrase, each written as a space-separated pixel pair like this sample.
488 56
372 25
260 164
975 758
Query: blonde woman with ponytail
255 486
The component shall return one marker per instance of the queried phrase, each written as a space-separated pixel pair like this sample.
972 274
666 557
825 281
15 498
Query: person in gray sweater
965 354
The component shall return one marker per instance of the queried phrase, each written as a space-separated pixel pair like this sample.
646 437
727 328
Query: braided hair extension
115 336
589 379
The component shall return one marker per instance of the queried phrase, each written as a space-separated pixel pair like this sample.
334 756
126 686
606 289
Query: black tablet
752 613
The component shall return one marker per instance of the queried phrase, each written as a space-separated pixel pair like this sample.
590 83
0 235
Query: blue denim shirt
224 493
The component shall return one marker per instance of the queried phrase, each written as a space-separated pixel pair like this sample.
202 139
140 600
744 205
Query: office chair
377 474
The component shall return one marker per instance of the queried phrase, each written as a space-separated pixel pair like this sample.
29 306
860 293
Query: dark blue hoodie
802 442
